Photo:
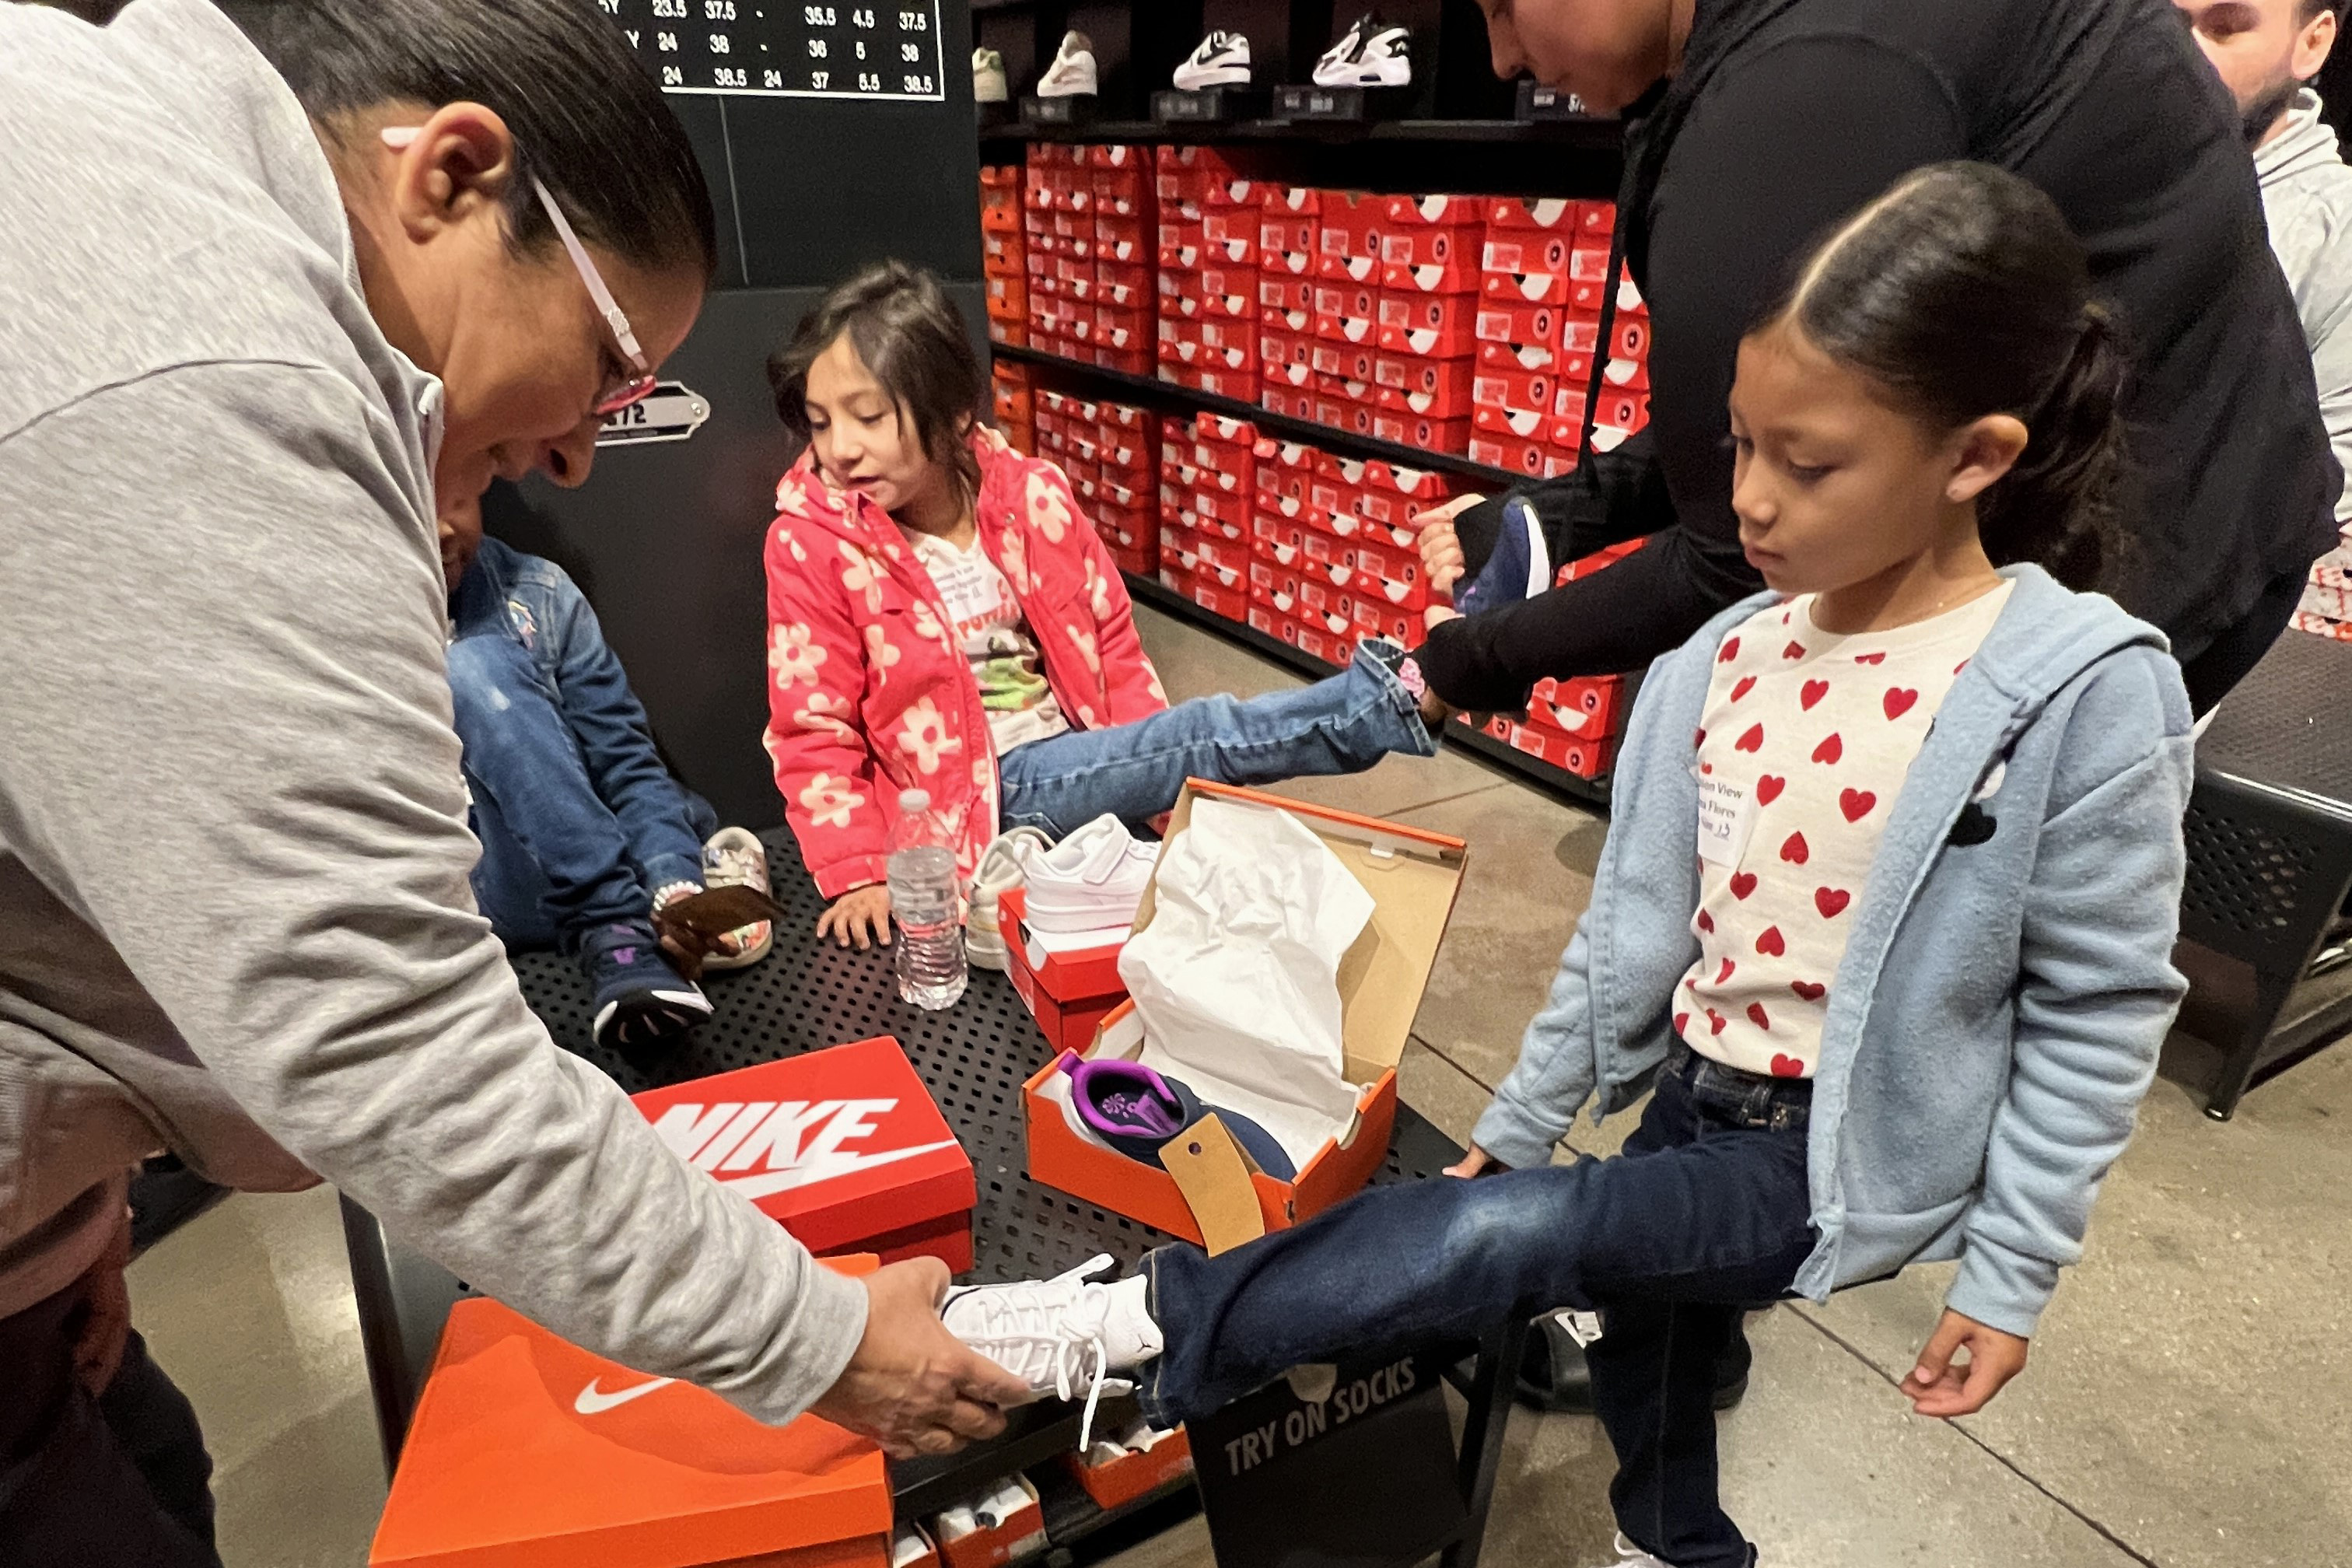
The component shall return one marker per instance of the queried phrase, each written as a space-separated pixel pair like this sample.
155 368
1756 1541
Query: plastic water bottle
923 902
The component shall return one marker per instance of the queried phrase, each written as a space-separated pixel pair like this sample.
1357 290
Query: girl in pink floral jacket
941 616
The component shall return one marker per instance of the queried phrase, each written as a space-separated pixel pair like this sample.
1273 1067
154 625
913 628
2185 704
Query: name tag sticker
1726 814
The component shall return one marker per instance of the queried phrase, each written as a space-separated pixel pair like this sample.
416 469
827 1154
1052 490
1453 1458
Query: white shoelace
734 866
1059 1335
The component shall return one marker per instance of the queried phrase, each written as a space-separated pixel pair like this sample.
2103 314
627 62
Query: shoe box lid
838 1146
1413 877
528 1452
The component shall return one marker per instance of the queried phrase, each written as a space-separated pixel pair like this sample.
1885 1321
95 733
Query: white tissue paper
1237 977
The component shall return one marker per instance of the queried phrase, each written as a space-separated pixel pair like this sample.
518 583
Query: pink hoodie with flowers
869 692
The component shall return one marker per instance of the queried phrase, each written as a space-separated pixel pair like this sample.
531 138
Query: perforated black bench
2270 857
974 1057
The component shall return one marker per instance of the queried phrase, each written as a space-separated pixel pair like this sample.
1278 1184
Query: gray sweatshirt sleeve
229 749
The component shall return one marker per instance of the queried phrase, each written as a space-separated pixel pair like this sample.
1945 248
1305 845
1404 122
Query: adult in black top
1775 119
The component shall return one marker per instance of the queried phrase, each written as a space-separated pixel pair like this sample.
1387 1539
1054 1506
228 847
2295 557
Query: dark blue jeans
579 818
1134 772
1704 1216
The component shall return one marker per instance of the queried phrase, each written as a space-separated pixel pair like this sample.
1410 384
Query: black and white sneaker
1223 60
1369 54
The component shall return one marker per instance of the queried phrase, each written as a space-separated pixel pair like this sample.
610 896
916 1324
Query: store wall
665 539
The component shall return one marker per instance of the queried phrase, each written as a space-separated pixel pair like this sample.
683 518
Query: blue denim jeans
580 820
1133 772
1704 1216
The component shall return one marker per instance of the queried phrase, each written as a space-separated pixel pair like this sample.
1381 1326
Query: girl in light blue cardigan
1885 917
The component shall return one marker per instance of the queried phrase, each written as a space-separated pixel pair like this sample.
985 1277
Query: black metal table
973 1057
2270 853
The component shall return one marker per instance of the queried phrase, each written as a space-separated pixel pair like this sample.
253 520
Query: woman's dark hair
1963 293
586 118
912 340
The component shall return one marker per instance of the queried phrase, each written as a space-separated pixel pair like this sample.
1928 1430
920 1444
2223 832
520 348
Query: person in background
585 836
1751 124
941 616
276 281
2268 52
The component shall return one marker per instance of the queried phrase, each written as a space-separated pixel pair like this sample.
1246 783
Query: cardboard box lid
836 1145
1412 875
528 1452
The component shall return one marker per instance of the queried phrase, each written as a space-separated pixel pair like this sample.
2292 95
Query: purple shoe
1135 1111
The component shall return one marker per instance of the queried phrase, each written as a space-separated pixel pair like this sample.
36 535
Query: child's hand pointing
1937 1387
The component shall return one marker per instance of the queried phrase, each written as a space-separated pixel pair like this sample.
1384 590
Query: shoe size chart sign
786 48
1362 1476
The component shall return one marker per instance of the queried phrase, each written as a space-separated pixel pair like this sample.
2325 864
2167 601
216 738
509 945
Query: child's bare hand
1476 1163
861 916
1938 1387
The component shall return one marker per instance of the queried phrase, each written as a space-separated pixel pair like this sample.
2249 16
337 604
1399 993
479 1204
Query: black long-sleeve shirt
1788 114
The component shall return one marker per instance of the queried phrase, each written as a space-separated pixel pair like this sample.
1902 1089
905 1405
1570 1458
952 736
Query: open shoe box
1020 1533
1413 877
1115 1483
1068 990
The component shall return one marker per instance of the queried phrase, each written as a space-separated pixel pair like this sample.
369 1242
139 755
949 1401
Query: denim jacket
1997 1016
530 601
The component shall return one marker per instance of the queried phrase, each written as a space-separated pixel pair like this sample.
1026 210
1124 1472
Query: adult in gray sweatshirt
246 331
2267 52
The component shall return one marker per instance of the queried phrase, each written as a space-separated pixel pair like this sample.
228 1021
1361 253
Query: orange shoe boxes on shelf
842 1147
1068 989
528 1452
1413 877
1135 1473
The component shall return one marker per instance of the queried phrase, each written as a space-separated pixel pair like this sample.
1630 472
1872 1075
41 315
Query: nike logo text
762 1147
594 1401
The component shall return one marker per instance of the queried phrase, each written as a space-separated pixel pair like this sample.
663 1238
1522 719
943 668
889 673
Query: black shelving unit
1594 792
1061 373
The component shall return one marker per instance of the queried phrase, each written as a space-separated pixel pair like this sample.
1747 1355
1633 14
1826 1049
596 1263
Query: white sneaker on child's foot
1056 1335
1632 1556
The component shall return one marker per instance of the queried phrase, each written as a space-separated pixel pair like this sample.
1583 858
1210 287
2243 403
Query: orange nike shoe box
842 1147
1068 991
528 1452
1115 1483
1413 877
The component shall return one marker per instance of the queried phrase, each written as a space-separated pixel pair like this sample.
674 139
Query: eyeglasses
620 392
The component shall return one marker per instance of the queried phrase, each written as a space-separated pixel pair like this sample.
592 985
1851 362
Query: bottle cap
912 801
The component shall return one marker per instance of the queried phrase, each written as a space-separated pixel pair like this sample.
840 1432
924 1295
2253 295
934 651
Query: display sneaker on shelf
1071 74
638 1000
1632 1556
1223 60
1092 879
1059 1335
734 857
1003 865
1371 54
988 81
1519 566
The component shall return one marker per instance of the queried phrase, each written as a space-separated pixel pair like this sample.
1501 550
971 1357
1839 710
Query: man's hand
912 1386
1938 1387
1442 561
861 915
1476 1163
106 1298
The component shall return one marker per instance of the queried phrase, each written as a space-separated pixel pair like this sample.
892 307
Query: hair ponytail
1963 293
2056 507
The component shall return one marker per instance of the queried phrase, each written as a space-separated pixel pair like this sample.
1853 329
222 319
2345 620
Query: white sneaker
1091 880
1071 74
1003 865
1632 1556
1369 54
1055 1334
734 857
1222 61
988 82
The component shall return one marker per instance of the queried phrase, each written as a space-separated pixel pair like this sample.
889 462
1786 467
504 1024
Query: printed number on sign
717 10
868 82
920 84
862 17
817 15
914 22
817 80
669 10
673 77
911 53
817 49
773 79
666 42
729 76
720 45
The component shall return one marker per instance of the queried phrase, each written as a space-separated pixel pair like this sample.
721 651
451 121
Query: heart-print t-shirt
1807 738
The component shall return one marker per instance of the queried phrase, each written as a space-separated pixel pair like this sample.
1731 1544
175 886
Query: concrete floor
2186 1405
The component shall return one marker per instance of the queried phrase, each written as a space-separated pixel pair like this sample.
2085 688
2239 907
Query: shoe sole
1219 76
